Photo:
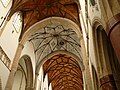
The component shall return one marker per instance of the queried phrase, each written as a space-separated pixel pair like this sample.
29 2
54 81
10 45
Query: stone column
36 77
14 67
108 83
113 31
87 80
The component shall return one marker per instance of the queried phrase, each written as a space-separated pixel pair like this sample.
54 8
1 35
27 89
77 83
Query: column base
108 83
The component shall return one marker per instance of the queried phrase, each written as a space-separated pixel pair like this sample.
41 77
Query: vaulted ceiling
35 10
63 72
54 38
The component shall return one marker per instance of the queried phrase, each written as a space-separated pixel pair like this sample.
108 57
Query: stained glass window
5 2
17 22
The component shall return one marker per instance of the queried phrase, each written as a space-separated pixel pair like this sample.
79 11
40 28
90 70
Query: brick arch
66 68
80 62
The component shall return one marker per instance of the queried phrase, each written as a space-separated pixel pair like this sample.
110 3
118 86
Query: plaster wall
9 39
91 47
46 83
4 73
40 79
19 81
4 11
50 87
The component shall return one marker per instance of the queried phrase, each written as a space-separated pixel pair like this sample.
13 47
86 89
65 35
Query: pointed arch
25 69
63 69
80 62
48 21
104 57
29 71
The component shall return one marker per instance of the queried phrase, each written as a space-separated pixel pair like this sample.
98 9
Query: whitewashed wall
4 11
4 73
19 81
9 39
40 80
45 87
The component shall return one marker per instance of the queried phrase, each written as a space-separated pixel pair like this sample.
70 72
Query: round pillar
113 31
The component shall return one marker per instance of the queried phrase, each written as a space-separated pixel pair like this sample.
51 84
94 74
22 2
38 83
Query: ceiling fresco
35 10
63 73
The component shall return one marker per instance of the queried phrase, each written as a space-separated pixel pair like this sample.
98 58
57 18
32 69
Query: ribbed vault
64 73
53 38
35 10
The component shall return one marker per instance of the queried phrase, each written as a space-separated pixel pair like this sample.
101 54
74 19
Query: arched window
5 2
17 22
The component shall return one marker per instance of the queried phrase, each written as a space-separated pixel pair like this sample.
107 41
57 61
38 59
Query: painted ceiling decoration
63 73
55 37
35 10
